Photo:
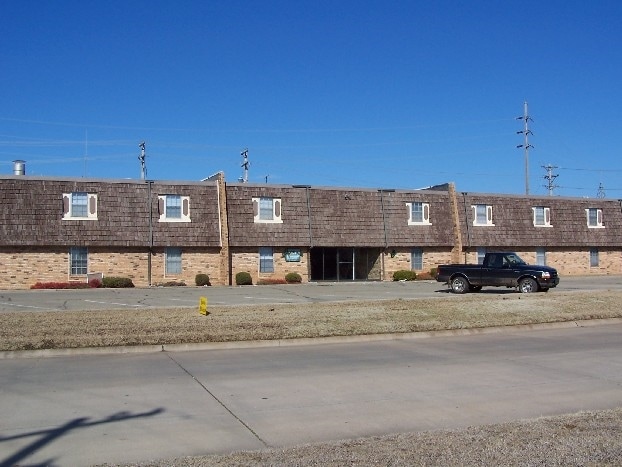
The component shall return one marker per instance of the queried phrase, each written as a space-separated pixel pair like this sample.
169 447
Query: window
594 257
78 261
173 261
482 214
416 259
541 256
267 210
481 254
174 208
594 217
541 216
266 259
418 213
80 205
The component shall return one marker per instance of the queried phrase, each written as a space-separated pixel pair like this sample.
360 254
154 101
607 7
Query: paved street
98 299
82 410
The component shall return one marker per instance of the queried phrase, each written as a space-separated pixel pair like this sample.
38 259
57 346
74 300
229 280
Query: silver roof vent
19 167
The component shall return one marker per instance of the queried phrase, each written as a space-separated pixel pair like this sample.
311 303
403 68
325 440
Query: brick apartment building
62 229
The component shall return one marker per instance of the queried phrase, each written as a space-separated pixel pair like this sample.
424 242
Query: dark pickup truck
502 269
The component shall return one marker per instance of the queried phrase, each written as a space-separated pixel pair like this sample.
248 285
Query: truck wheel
527 285
459 285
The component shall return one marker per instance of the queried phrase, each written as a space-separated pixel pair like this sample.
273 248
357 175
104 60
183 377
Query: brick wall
569 261
432 257
23 267
247 260
193 261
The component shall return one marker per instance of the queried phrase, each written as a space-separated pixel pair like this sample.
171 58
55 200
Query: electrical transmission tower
550 178
245 165
141 158
525 132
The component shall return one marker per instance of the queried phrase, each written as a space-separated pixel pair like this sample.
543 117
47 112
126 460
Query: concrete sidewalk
88 409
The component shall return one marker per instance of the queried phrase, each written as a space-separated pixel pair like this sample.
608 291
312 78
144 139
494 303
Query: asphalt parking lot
158 297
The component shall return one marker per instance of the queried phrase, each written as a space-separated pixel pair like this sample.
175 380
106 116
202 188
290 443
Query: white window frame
599 218
488 209
184 207
75 260
266 260
546 216
69 203
425 213
277 212
173 257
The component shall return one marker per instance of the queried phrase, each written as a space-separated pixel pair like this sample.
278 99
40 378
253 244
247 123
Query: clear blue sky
401 94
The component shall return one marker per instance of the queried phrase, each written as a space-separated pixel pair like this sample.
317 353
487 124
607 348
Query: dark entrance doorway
345 264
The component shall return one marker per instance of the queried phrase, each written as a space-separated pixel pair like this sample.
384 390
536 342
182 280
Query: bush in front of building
171 284
61 285
113 282
243 278
293 278
404 275
202 280
427 276
271 281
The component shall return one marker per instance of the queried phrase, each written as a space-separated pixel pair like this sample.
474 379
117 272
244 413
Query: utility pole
525 132
601 191
550 178
245 165
141 158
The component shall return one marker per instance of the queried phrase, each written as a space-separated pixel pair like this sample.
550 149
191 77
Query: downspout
386 241
466 222
309 216
310 232
457 232
150 252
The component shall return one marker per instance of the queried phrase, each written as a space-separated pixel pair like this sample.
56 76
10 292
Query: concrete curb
130 349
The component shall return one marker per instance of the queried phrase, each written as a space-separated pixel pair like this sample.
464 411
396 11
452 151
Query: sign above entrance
292 255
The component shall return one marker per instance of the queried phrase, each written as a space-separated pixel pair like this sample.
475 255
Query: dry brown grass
75 329
585 439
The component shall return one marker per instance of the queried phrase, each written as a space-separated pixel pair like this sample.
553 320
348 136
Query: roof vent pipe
19 167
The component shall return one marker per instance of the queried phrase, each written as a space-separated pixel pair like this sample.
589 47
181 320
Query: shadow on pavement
46 437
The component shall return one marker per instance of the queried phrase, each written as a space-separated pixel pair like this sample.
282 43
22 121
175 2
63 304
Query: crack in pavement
222 404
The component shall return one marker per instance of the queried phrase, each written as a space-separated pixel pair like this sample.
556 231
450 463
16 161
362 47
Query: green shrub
202 279
293 278
404 275
434 272
117 282
243 278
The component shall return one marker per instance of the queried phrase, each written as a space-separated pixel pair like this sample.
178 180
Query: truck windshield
514 259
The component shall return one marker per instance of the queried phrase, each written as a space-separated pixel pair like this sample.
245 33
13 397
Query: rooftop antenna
526 132
141 158
245 164
550 178
601 191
